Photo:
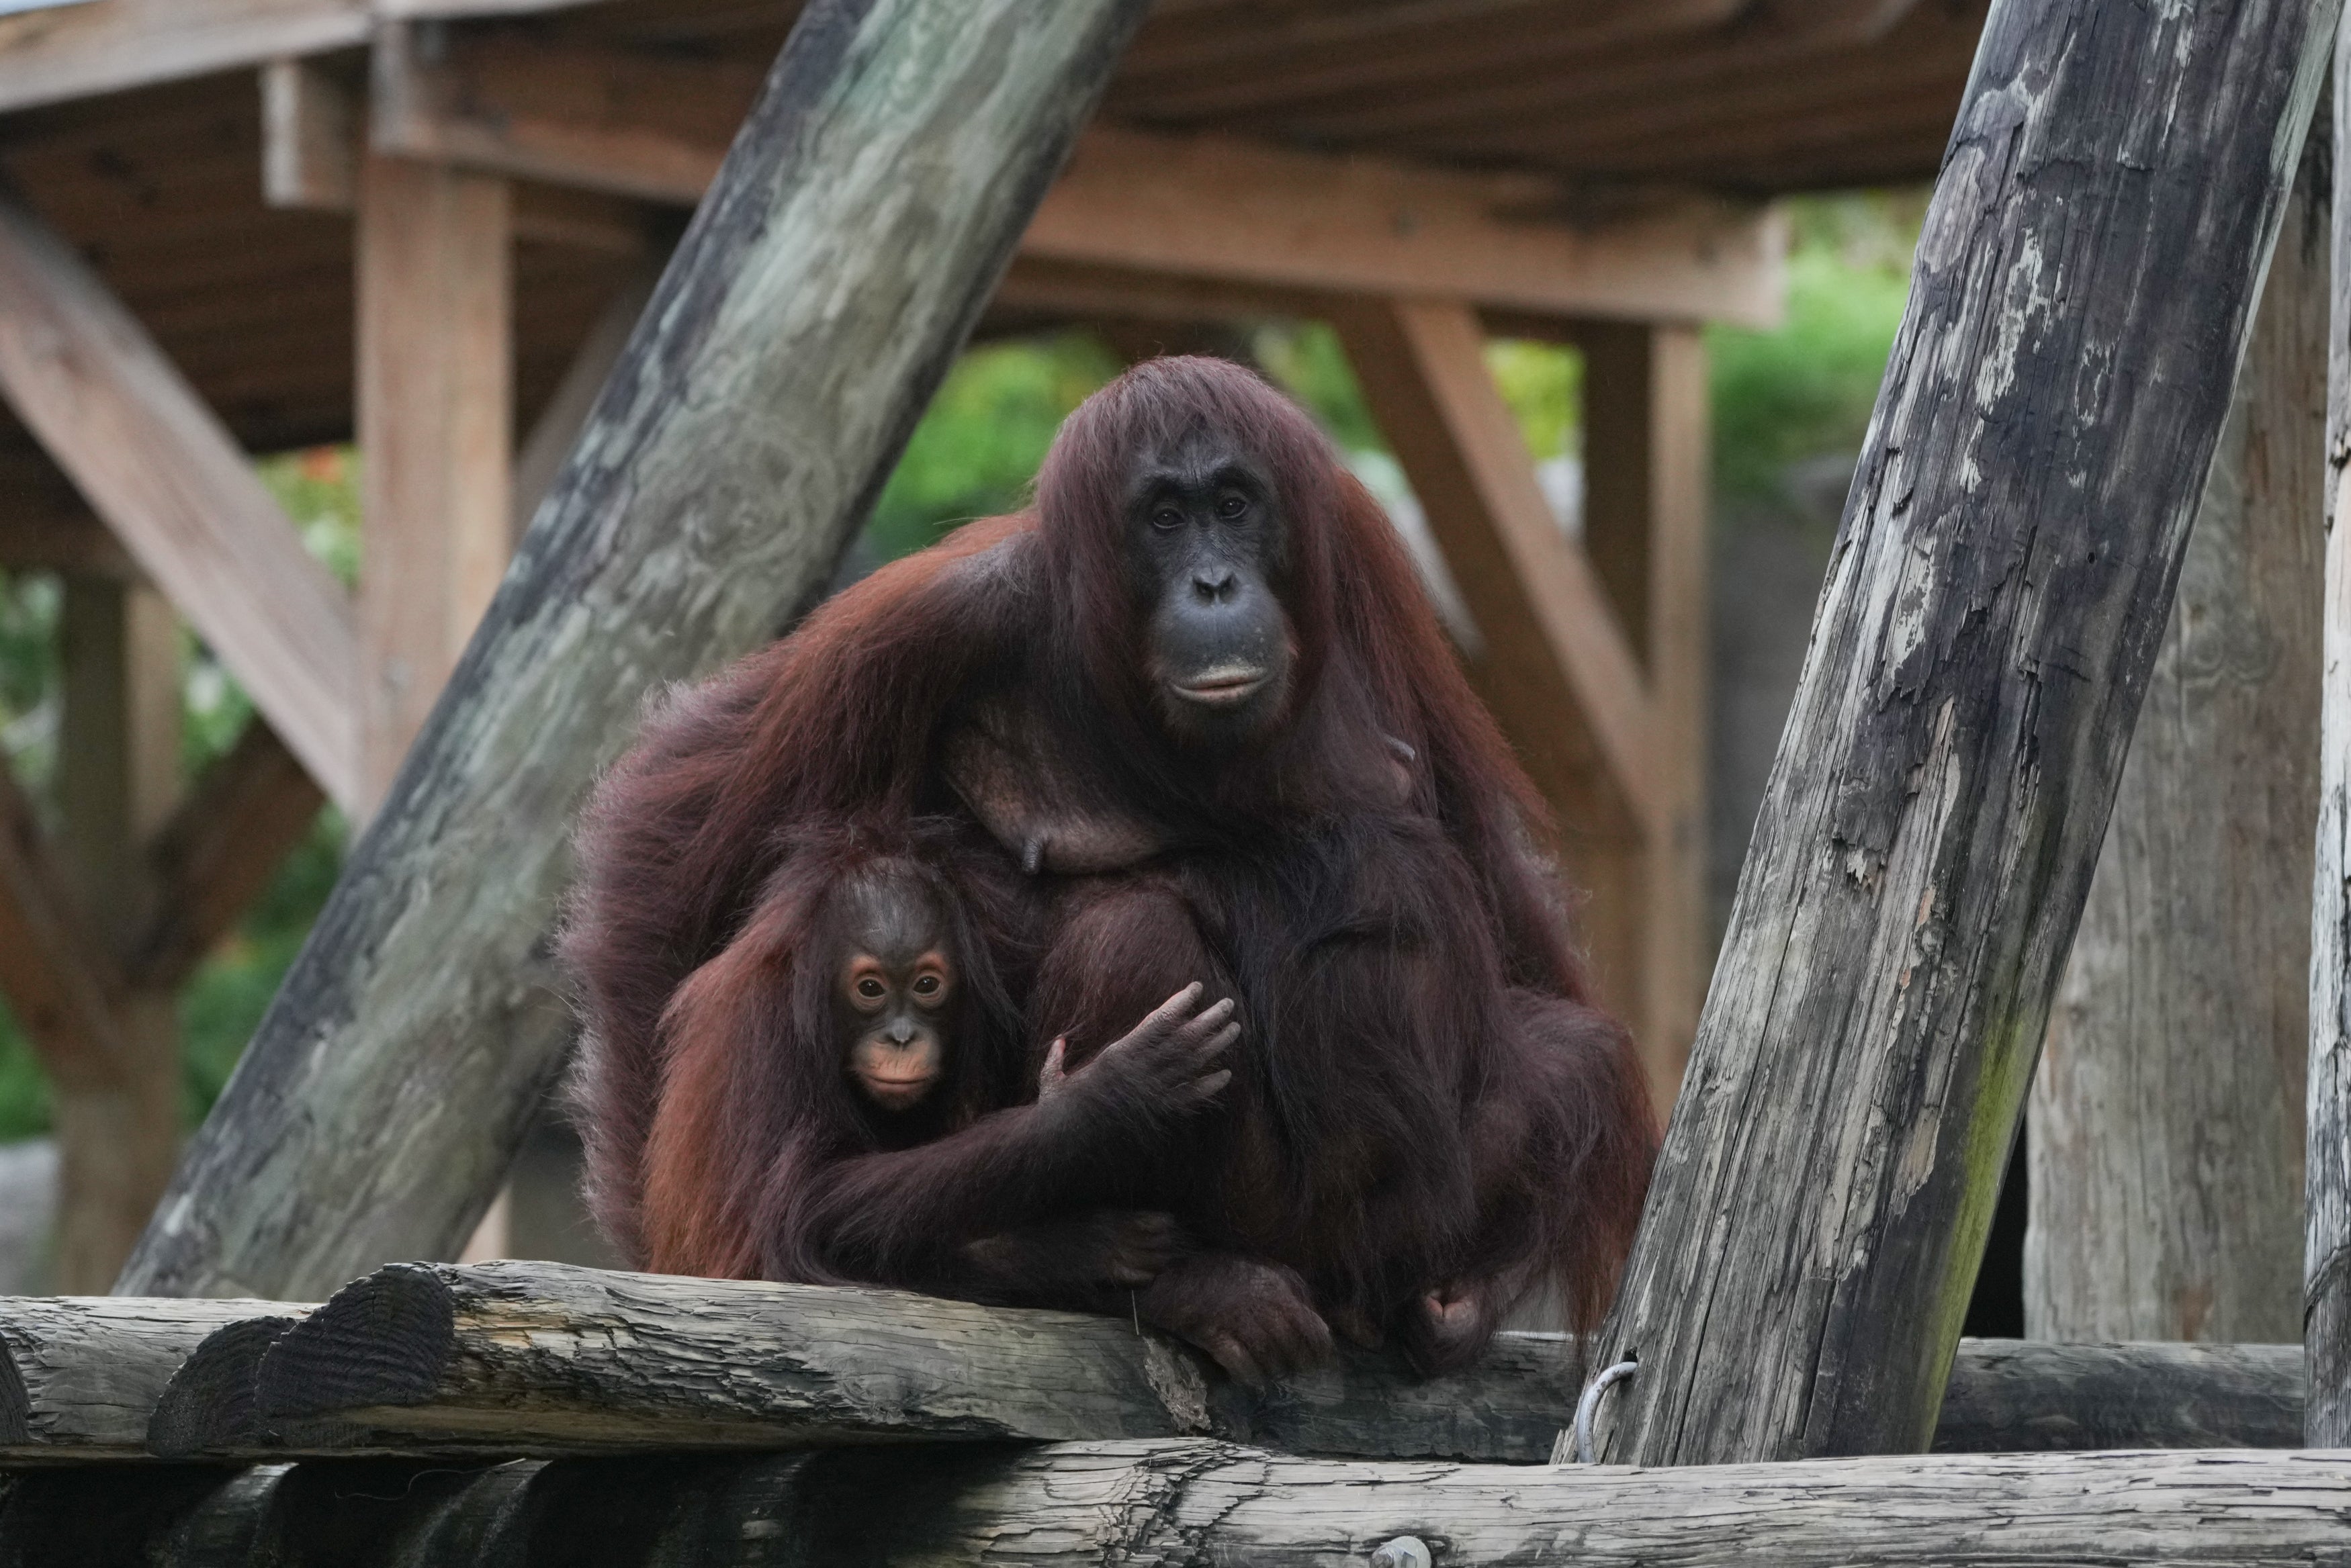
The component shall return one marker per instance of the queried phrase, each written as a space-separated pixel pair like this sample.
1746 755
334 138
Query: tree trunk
2327 1192
1188 1501
2083 294
868 205
2166 1122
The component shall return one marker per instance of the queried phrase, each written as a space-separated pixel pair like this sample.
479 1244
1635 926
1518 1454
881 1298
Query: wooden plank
741 440
2166 1121
435 417
1992 612
310 138
1533 593
56 969
81 51
1646 467
117 778
2017 1396
219 852
158 467
1198 1500
2326 1189
1194 206
80 1375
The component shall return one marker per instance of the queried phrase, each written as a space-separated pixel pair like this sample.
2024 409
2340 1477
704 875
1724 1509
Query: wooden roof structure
231 227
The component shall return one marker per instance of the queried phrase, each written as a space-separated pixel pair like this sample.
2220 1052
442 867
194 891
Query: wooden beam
436 421
80 1377
672 542
81 51
2166 1122
1533 593
117 777
157 465
57 973
2326 1179
1198 1500
218 853
1203 206
2006 564
310 138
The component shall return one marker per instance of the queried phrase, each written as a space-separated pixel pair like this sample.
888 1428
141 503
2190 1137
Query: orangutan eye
1232 506
1165 518
927 986
870 989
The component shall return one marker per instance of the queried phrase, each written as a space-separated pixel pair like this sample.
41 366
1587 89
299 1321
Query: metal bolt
1403 1551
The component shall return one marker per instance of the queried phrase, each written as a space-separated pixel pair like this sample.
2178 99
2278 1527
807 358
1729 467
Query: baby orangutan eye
868 988
927 986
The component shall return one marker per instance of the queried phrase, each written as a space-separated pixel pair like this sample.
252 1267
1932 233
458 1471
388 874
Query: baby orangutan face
897 990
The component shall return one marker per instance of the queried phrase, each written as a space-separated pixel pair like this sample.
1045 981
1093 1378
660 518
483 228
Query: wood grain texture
812 307
541 1358
1194 1502
2166 1121
81 1374
1211 207
157 465
2326 1191
435 408
2081 295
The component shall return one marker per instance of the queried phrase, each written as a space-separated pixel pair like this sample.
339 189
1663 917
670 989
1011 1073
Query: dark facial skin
896 993
1205 537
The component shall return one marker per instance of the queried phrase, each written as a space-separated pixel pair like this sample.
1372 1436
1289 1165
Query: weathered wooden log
543 1359
2326 1175
2000 581
2016 1395
1198 1500
80 1375
852 238
2166 1120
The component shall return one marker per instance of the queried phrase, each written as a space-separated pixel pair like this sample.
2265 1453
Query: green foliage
1807 388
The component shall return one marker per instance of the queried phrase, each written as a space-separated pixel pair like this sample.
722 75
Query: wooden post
2326 1220
118 777
435 422
850 241
2083 293
1645 463
2165 1122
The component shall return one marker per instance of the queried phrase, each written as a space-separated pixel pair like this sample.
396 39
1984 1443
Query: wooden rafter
1208 207
58 977
1535 597
157 465
219 851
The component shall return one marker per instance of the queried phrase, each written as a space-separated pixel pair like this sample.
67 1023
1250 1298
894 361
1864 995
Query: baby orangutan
853 1114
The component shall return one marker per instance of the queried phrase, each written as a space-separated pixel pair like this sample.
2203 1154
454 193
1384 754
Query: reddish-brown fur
1427 1119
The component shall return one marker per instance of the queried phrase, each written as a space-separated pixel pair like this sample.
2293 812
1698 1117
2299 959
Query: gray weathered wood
852 236
2082 295
2166 1120
2013 1396
547 1359
2326 1191
80 1375
1194 1502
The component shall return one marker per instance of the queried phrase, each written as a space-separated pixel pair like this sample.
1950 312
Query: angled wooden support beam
157 465
808 316
1200 206
2082 296
218 852
1537 601
56 969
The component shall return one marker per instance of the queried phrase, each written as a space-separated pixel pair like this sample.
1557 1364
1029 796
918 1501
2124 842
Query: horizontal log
1195 1501
547 1359
81 1373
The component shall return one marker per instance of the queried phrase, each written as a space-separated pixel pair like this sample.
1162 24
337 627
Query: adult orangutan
1197 694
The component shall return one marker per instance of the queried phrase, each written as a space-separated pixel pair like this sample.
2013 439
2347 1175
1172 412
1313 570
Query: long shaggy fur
1427 1100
